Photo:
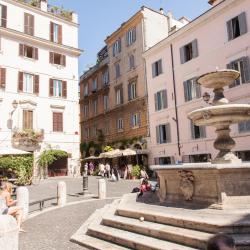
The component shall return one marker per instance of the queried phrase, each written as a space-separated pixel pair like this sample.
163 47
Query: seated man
221 242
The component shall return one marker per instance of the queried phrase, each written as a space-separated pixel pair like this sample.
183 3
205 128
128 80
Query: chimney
44 5
170 20
214 2
161 11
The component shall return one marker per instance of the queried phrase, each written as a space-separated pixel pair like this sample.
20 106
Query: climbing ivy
49 156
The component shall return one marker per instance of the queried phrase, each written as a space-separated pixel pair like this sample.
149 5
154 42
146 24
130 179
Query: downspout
175 102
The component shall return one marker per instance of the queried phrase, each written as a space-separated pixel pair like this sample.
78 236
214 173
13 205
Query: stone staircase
117 226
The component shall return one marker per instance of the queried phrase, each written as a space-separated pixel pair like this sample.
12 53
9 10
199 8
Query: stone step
132 240
178 235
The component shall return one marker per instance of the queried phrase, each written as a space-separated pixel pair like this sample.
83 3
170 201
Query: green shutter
243 23
229 30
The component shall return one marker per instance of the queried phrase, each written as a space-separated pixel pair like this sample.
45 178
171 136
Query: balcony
27 140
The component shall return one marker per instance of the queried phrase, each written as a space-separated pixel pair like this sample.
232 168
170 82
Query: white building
39 79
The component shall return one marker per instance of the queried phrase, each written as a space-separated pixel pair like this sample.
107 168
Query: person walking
107 170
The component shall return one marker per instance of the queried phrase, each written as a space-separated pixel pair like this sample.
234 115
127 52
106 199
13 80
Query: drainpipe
175 102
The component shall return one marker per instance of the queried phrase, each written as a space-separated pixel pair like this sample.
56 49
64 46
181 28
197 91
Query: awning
111 154
128 152
92 157
12 151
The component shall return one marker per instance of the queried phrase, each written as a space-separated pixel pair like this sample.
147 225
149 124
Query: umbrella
128 152
12 151
111 154
92 157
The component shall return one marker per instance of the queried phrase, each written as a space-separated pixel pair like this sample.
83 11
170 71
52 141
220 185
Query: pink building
217 39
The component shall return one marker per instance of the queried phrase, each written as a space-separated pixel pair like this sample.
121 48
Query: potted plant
136 171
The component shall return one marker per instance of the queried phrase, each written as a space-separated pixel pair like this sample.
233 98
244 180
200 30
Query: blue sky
99 18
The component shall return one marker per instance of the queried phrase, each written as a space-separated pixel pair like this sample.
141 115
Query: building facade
39 79
217 39
118 114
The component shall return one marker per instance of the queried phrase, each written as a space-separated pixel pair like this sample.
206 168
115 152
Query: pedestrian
101 169
116 173
143 174
9 205
125 175
107 170
130 171
91 168
221 241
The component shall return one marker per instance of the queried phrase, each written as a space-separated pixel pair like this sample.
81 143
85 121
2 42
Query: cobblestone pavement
52 230
48 188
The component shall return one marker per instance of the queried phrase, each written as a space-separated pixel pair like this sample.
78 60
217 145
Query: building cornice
40 41
39 11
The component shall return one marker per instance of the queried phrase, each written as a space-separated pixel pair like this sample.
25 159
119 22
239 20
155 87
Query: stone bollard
101 189
22 195
8 233
61 193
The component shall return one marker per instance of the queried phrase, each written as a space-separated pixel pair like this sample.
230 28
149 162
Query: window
237 26
131 36
2 78
57 122
197 131
27 119
132 91
135 120
86 133
157 68
163 133
3 15
117 70
105 77
94 85
119 96
120 124
56 58
86 111
117 46
106 102
58 88
191 89
131 62
161 100
28 24
106 127
189 51
86 90
95 107
28 83
55 33
244 127
241 65
94 131
28 51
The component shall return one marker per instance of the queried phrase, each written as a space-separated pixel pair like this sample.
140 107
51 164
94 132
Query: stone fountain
225 182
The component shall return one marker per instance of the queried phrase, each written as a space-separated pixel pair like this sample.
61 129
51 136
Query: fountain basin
213 115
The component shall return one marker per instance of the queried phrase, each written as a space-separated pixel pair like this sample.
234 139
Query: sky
100 18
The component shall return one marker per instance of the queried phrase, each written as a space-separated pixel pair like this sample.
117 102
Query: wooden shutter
31 25
195 48
27 119
158 134
63 58
36 84
26 23
229 30
119 45
64 89
4 16
182 55
153 70
60 34
156 102
20 81
159 67
35 53
2 78
246 69
134 34
243 23
168 133
21 49
51 88
51 57
165 99
129 92
57 122
185 83
51 31
197 87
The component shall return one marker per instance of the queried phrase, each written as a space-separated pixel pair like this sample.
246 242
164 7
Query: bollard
61 193
22 194
8 233
102 189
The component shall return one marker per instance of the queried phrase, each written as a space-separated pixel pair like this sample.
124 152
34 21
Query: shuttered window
135 120
131 62
27 119
58 88
28 83
105 102
192 89
237 26
117 47
57 122
3 15
95 107
105 77
131 36
157 68
119 124
117 70
2 78
28 51
163 134
28 24
197 131
189 51
244 127
55 33
119 96
243 66
56 58
132 91
161 101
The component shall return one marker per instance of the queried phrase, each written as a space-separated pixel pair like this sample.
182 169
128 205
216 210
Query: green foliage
21 166
136 171
96 171
49 156
108 148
